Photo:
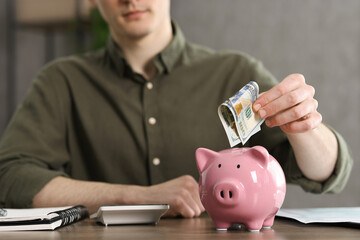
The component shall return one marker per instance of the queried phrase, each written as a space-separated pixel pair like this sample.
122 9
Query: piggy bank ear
261 154
204 157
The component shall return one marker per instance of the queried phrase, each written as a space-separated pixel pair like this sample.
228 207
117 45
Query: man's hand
182 194
289 105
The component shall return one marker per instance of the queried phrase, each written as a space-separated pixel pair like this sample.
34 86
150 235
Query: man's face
134 18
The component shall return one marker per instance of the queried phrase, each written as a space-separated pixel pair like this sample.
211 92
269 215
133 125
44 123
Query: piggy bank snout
229 193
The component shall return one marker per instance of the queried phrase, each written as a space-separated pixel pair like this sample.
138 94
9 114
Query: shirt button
156 161
149 85
152 121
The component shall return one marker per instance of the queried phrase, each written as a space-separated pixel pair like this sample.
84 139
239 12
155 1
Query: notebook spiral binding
72 215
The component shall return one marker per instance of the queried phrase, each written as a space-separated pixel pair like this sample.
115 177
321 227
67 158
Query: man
123 123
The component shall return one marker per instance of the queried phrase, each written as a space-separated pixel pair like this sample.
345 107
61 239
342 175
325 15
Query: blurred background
320 39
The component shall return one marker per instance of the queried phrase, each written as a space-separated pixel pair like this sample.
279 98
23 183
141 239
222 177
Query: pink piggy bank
240 186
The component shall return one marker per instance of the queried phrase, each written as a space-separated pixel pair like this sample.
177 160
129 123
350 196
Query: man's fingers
289 84
183 208
199 203
293 114
191 196
183 196
199 207
304 124
289 105
287 101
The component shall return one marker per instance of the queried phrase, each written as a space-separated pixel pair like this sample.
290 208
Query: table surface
196 228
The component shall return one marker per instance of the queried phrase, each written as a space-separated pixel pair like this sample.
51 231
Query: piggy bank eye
238 166
219 165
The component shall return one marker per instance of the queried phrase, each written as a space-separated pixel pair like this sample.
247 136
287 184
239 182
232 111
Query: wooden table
179 228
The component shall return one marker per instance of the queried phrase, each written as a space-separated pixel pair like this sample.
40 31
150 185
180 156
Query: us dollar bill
237 116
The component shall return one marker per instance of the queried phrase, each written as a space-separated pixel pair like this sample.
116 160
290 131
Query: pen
3 212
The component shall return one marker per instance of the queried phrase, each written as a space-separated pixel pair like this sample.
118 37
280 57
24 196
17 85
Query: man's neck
139 52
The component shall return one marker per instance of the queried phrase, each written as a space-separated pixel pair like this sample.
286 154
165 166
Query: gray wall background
319 38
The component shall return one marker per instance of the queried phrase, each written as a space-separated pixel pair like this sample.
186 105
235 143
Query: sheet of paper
323 215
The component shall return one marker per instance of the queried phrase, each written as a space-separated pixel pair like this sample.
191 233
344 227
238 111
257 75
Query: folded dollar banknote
237 116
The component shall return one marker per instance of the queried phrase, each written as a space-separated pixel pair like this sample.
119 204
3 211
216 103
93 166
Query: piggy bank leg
269 222
222 226
254 226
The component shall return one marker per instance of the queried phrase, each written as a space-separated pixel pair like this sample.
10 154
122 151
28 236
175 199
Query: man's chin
137 33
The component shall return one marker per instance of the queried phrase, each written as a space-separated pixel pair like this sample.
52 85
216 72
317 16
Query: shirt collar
164 61
172 52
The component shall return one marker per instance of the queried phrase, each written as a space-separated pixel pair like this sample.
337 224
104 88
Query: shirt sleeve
32 149
278 145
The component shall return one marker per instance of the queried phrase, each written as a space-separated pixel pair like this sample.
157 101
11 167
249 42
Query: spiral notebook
40 218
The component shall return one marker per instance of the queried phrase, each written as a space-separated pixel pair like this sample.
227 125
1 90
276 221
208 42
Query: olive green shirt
90 117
